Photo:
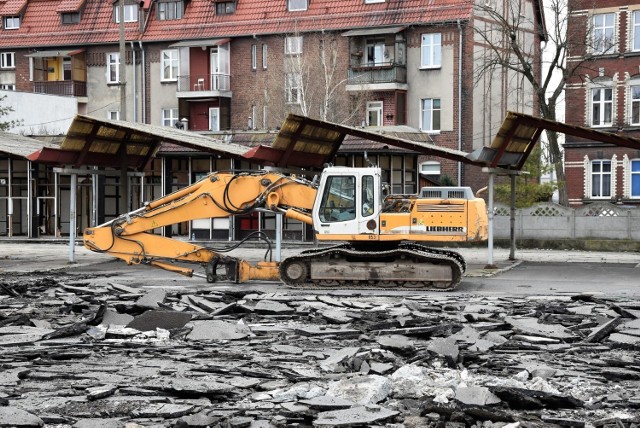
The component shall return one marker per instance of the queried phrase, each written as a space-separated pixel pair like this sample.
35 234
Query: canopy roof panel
99 142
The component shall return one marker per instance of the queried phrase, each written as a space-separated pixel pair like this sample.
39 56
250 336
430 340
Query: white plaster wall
432 83
39 114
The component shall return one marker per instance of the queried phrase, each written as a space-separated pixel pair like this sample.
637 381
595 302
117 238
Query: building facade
604 95
226 67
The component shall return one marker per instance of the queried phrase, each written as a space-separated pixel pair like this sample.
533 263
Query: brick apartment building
229 67
604 95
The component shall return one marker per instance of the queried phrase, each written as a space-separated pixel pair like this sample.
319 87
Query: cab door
348 203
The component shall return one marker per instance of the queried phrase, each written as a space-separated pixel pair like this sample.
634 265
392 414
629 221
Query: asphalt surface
539 272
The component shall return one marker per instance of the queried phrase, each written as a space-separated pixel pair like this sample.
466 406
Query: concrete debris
218 330
356 416
362 389
77 352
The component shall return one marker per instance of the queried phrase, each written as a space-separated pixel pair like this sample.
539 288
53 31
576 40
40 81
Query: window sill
427 131
168 80
435 67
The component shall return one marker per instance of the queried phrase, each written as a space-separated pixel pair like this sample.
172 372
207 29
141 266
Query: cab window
338 199
367 196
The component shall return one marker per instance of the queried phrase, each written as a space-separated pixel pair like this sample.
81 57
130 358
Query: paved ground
533 271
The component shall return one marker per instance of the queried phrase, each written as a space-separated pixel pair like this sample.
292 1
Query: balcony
71 88
204 85
383 76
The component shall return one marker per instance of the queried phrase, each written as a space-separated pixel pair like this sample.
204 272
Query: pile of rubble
75 351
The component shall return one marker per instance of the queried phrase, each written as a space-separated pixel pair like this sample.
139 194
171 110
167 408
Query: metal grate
436 208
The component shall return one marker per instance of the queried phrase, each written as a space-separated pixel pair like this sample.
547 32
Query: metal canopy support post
72 218
512 219
490 264
30 231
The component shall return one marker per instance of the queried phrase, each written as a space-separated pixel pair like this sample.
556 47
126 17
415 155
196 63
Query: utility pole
124 178
121 65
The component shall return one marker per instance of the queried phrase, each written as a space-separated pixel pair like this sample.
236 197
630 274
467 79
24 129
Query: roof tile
41 25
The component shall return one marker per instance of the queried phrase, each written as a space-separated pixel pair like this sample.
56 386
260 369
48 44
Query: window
374 113
338 199
113 67
635 28
7 60
169 64
430 169
601 106
635 105
635 178
292 88
169 10
375 53
430 114
169 116
254 57
294 5
214 118
225 7
70 17
601 179
7 86
11 22
373 1
368 202
264 57
113 115
130 13
293 45
603 33
430 50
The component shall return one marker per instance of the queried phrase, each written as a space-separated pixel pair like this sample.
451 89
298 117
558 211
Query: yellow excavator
377 236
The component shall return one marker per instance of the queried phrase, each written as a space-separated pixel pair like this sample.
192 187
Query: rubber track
412 250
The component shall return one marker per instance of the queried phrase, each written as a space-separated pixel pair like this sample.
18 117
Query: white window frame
297 5
113 67
374 108
293 88
130 13
428 107
214 125
170 10
634 104
633 174
254 57
169 116
634 23
7 60
431 50
113 115
603 105
11 22
375 49
603 37
8 86
265 51
601 174
373 1
169 65
293 45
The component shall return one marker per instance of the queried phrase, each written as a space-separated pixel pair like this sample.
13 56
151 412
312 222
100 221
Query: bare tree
313 80
507 39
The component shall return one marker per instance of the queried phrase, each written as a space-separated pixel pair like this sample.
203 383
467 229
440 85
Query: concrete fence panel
599 220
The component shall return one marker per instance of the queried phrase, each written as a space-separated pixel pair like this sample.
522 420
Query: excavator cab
348 202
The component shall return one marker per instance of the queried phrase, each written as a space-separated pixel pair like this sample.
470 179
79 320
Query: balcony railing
387 73
72 88
204 82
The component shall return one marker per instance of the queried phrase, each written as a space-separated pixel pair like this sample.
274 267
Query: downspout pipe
135 92
143 83
459 99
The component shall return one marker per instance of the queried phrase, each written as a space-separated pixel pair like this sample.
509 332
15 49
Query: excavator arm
130 237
